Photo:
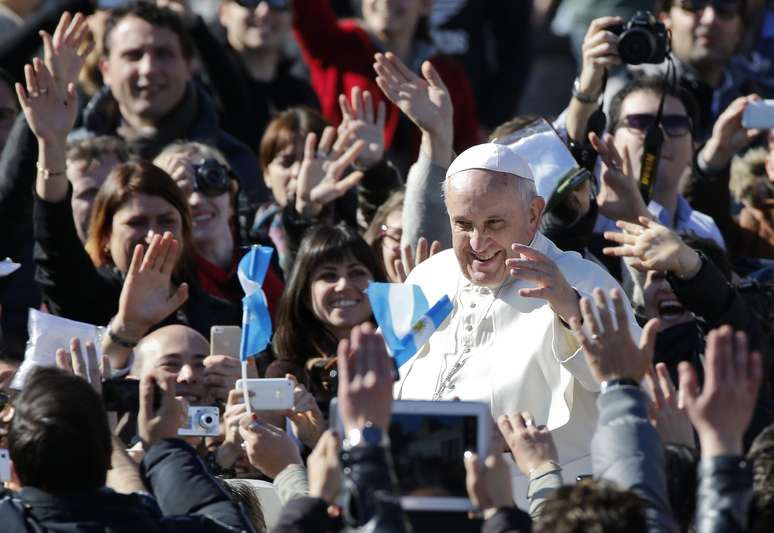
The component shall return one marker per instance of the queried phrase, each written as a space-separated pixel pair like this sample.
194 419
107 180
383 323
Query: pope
508 341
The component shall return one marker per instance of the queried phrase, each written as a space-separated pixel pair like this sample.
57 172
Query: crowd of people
618 325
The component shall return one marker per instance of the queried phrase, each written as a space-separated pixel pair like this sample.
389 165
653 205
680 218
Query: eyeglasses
210 177
391 233
673 125
725 9
274 5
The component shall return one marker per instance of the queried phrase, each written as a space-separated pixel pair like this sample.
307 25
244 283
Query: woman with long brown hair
324 299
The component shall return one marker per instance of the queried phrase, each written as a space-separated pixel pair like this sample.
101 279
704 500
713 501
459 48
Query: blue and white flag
256 321
405 318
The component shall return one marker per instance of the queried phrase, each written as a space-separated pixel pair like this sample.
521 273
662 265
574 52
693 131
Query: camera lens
211 178
636 46
206 420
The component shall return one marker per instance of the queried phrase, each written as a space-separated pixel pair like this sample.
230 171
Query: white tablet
428 440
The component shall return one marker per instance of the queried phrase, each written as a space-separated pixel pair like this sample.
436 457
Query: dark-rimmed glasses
673 125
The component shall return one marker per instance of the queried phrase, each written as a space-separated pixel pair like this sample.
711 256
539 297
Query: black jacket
248 105
18 292
74 288
167 467
370 490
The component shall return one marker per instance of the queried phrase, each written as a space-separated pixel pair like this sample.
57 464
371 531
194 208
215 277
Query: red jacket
340 55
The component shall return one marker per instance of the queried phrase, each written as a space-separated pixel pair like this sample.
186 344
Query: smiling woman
206 180
323 301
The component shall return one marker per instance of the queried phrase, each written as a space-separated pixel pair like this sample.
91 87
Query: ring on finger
322 154
594 336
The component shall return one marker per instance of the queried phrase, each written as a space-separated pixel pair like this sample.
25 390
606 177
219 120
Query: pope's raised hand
552 286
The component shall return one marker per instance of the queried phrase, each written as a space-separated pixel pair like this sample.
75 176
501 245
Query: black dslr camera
641 40
210 177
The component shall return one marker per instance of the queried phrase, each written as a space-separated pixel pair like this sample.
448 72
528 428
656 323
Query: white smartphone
5 465
759 115
428 441
269 394
225 340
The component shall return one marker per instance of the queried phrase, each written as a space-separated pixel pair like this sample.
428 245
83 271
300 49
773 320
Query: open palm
320 176
49 117
425 101
65 52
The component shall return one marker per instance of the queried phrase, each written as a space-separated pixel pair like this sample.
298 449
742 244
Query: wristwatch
622 382
581 96
368 435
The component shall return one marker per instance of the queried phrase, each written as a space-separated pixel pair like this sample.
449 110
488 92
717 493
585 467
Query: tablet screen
428 452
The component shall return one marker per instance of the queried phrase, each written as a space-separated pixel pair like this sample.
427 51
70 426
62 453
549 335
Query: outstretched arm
626 448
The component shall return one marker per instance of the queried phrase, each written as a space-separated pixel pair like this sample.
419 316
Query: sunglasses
725 9
274 5
210 177
673 125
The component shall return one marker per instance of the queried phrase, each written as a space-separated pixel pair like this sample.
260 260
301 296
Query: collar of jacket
193 118
80 506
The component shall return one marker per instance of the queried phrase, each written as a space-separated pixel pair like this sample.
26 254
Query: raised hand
155 425
410 259
360 121
221 373
325 469
653 247
365 379
532 446
66 52
89 368
306 418
728 134
600 52
230 449
723 408
50 116
488 483
619 197
269 449
552 286
320 176
611 351
666 415
425 101
148 296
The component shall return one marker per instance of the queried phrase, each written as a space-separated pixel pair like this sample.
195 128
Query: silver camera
202 421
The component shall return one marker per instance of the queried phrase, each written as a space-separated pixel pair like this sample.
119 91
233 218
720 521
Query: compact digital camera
641 40
202 421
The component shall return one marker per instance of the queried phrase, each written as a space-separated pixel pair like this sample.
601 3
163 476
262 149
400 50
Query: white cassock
512 352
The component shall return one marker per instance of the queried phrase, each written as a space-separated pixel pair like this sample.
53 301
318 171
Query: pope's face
487 215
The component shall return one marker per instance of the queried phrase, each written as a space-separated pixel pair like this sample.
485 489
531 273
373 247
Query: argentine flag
256 321
404 316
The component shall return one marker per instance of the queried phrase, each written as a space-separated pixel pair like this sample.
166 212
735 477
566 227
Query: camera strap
654 139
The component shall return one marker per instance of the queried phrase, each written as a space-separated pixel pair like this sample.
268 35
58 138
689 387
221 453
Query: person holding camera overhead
703 37
208 183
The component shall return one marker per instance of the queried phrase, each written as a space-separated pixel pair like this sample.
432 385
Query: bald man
177 349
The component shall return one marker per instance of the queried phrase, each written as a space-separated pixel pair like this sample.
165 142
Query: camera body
641 40
210 177
202 421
